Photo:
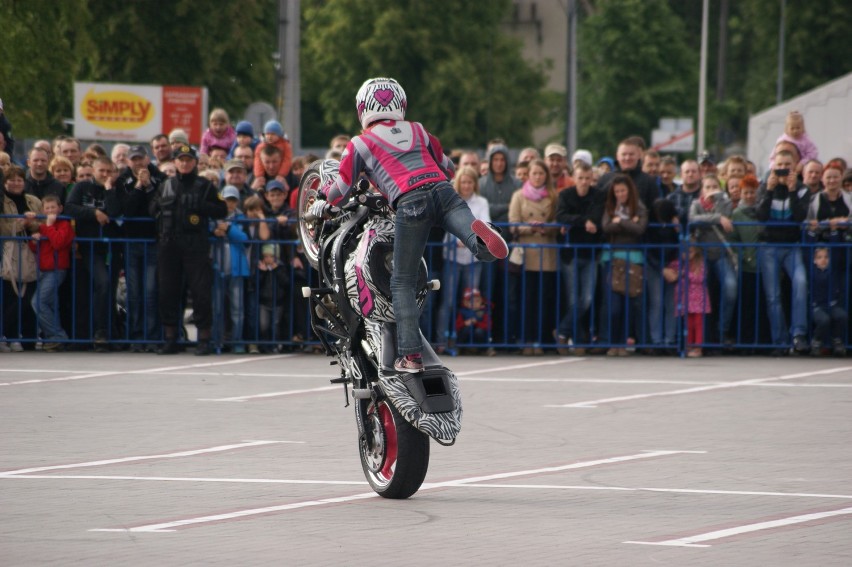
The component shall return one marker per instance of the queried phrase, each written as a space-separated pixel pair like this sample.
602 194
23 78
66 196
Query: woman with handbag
19 268
624 221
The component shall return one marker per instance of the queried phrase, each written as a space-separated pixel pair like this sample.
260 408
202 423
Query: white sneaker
16 347
4 346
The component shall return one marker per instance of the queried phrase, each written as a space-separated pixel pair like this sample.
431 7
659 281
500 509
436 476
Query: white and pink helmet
380 99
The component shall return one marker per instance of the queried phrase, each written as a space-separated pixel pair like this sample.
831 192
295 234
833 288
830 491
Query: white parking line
756 381
697 491
190 453
145 370
698 539
270 395
170 526
519 366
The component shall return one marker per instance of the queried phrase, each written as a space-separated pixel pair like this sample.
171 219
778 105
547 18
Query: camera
781 172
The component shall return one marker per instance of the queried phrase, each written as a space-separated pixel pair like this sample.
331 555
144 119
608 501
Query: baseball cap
274 185
705 157
185 150
232 163
137 151
558 149
230 192
584 156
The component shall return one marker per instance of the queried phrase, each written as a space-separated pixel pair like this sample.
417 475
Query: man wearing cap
135 188
236 175
183 207
706 164
556 157
177 139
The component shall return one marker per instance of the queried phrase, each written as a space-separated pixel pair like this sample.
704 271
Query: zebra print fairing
443 426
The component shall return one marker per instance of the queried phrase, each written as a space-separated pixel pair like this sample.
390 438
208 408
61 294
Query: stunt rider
407 164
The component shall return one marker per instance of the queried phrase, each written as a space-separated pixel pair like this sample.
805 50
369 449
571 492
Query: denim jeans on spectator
45 303
579 278
94 263
771 259
725 274
829 323
621 314
417 212
662 323
454 276
141 276
234 287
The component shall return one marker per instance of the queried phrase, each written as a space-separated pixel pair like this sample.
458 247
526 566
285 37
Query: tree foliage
48 45
464 78
635 68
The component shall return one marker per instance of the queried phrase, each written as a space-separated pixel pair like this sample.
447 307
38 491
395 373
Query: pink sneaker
409 363
491 238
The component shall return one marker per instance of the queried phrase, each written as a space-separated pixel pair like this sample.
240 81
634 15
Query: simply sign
137 113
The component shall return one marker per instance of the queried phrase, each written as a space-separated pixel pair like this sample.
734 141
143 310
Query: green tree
464 78
635 67
47 45
39 54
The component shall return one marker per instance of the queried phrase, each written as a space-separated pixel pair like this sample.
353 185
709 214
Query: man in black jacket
93 205
39 181
580 207
183 206
629 158
136 187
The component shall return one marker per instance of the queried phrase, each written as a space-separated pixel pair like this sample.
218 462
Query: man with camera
783 211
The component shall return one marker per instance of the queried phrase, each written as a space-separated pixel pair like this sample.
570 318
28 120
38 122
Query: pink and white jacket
396 156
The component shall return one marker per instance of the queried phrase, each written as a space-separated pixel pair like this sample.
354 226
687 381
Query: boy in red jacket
52 243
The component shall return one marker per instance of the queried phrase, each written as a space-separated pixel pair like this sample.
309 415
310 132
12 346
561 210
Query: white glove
317 210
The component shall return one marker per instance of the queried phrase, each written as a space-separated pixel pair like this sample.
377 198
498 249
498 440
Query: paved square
135 459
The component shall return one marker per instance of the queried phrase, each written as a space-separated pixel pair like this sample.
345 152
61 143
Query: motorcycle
352 315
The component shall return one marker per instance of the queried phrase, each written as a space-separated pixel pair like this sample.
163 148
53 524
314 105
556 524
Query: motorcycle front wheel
394 455
309 230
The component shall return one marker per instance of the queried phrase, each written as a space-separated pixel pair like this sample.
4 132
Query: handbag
19 263
626 281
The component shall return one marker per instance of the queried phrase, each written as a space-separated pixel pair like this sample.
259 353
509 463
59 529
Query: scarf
706 204
534 193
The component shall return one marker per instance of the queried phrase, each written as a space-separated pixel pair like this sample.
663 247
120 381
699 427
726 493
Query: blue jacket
236 239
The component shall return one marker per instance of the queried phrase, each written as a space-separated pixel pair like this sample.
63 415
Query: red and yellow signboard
130 113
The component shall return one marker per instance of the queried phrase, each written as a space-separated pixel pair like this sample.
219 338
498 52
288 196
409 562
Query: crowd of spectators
634 252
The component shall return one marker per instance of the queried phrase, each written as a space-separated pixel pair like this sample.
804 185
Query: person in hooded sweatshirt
498 184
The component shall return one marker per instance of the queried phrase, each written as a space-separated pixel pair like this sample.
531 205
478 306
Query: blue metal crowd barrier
526 306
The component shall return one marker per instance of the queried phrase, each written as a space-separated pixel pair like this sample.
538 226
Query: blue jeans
141 277
579 278
94 262
234 287
727 278
416 213
662 323
770 259
453 275
45 303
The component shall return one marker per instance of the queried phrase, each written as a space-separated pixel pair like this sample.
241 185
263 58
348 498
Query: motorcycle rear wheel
394 455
